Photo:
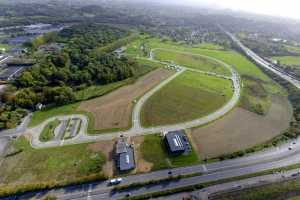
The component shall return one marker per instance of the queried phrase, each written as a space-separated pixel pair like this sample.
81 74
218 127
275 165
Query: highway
260 61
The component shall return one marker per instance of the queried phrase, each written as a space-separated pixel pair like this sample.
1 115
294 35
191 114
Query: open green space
288 60
5 46
28 165
189 96
191 61
160 157
295 198
244 67
293 49
48 132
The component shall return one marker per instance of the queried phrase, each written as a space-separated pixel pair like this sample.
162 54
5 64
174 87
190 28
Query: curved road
137 129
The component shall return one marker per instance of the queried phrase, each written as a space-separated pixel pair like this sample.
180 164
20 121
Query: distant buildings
177 142
124 156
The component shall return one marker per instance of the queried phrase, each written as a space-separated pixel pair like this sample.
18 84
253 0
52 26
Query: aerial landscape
147 99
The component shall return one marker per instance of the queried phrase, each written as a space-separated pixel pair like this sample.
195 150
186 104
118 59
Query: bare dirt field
142 165
242 129
114 110
106 147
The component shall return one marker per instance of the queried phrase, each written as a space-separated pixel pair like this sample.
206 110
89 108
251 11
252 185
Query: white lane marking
89 191
204 168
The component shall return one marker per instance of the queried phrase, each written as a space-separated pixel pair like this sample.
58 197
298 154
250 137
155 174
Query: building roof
126 160
176 141
121 146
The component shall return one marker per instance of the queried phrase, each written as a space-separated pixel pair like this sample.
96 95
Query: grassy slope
242 65
48 132
189 96
32 165
192 61
160 158
288 60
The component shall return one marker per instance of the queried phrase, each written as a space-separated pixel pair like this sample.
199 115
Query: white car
115 181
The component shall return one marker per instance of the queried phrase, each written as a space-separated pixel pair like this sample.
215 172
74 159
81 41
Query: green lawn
160 158
293 49
5 46
189 96
191 61
52 164
48 132
288 60
41 116
238 61
98 90
295 198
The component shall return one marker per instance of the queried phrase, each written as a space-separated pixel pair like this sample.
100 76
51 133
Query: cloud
287 8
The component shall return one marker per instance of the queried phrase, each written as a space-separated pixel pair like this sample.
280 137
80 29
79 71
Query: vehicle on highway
115 181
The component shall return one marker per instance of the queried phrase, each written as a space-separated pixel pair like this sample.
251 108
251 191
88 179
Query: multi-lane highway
262 62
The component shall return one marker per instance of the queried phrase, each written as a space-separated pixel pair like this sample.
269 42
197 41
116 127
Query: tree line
56 76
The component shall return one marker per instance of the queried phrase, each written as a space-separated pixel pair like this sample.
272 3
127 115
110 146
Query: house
177 142
124 156
39 106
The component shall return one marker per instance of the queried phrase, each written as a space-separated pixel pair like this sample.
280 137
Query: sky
283 8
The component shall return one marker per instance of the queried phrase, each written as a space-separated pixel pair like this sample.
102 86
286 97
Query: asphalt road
15 132
260 61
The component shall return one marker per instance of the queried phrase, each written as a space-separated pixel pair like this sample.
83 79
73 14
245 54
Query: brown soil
114 109
242 129
106 147
142 165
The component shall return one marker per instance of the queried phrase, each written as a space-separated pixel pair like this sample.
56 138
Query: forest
58 74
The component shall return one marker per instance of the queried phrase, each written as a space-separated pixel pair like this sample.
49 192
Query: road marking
204 168
89 191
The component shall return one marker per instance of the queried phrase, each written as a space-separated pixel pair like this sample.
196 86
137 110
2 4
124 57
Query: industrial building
124 156
177 142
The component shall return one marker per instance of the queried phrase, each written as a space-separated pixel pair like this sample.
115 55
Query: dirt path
114 110
242 129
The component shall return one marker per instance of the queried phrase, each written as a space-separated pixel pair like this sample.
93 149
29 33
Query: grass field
291 62
48 132
52 164
160 158
293 49
192 61
5 46
288 60
191 95
238 61
113 111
